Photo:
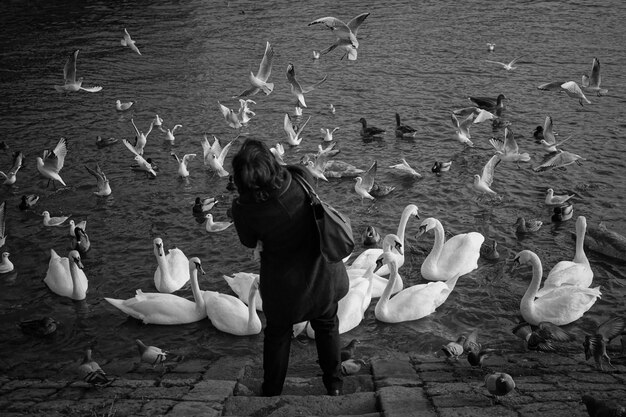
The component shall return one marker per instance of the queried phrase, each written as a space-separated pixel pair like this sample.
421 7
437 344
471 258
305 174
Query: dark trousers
277 343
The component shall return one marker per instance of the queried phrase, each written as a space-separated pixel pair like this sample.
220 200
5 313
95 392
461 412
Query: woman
296 283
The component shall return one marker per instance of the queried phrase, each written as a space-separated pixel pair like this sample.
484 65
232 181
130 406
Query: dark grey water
420 60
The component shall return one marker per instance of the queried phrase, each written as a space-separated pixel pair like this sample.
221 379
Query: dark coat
296 283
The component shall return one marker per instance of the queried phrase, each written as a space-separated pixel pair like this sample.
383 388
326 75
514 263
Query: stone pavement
399 384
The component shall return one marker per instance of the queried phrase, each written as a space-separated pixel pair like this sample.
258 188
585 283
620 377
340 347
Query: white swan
231 315
368 257
240 283
458 255
576 272
159 308
65 276
173 269
413 302
561 306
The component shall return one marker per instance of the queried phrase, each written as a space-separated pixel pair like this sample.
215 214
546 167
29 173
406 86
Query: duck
172 272
490 103
404 131
370 236
43 326
65 276
213 226
90 371
576 272
104 142
439 167
231 315
368 257
6 265
538 134
414 302
563 213
203 204
166 309
605 241
560 306
458 255
240 283
490 251
28 201
556 200
80 241
523 225
53 221
369 130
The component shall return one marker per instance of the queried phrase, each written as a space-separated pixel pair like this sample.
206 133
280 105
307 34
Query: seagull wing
510 144
312 87
548 134
301 127
18 157
340 29
496 62
354 24
498 144
222 155
54 160
552 86
265 69
595 79
69 71
130 147
288 126
368 177
489 168
189 157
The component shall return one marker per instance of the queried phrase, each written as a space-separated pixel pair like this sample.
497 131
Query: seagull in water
69 74
11 176
119 106
278 151
104 189
127 41
143 164
592 84
328 134
53 221
213 226
506 66
297 89
556 200
183 164
259 81
346 34
405 167
231 116
141 138
214 155
482 183
50 165
169 134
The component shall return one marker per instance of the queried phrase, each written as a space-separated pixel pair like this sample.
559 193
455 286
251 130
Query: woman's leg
276 345
329 349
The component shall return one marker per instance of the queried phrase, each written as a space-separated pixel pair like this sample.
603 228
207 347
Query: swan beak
379 262
199 268
420 231
159 247
516 264
399 248
78 263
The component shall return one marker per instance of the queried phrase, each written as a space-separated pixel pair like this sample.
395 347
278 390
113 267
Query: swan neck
580 256
76 284
403 222
195 289
393 276
439 237
532 289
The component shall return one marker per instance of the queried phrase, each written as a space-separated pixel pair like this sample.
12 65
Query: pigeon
595 345
351 366
454 349
499 384
151 354
598 408
542 337
90 371
347 352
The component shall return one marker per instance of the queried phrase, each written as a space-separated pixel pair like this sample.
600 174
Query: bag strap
308 189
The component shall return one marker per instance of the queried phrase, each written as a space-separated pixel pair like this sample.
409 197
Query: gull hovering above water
259 81
297 89
507 149
104 189
506 66
346 34
559 160
293 131
483 182
52 162
570 88
592 84
127 41
183 164
72 84
549 140
11 176
462 133
214 155
231 116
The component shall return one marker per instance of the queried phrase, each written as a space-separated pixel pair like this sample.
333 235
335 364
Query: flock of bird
566 294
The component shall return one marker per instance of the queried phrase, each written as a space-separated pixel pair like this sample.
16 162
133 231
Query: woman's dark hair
256 172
